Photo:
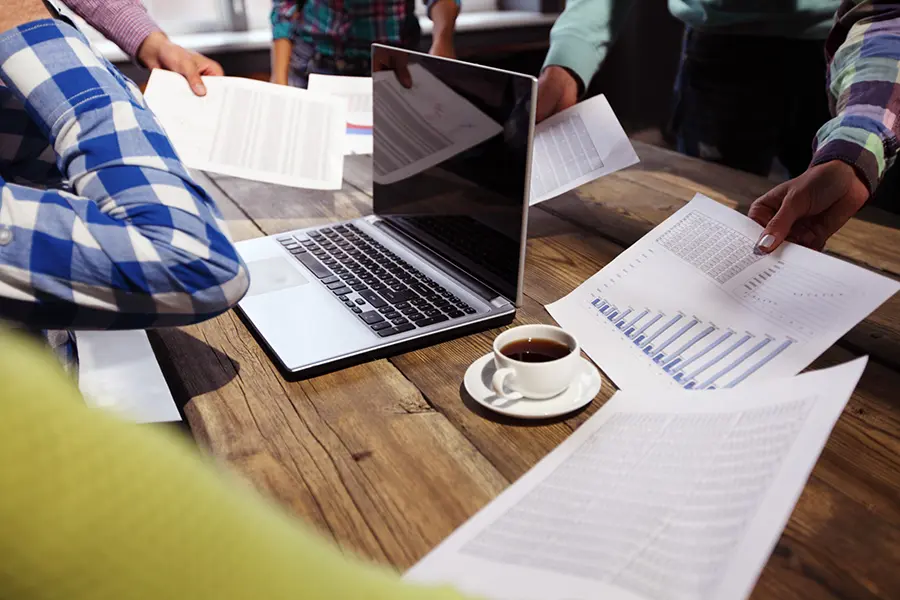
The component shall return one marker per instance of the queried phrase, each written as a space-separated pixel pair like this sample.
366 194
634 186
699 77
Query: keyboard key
349 303
391 315
455 314
342 291
285 240
298 250
394 296
317 268
336 285
402 305
371 317
416 317
409 311
398 320
431 321
380 326
360 301
469 310
330 280
357 309
403 328
373 299
359 287
388 332
386 309
432 312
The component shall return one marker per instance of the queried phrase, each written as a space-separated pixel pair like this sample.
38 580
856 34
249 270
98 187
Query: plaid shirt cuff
860 141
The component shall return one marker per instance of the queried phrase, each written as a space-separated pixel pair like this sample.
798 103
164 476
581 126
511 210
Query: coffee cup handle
497 383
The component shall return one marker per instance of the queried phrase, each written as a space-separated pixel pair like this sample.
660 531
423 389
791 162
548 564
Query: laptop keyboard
384 291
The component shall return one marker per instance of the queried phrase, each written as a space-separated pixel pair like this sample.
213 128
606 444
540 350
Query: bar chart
696 354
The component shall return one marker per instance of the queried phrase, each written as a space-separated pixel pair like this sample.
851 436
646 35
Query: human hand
809 209
557 91
442 47
159 52
18 12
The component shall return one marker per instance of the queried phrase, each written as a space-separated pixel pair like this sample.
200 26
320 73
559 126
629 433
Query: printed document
666 495
421 127
692 305
358 93
252 129
577 146
118 371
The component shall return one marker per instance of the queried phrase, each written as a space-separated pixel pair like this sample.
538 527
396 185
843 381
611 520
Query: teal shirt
582 35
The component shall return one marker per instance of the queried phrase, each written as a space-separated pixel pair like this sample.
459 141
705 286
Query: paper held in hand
252 129
670 494
692 305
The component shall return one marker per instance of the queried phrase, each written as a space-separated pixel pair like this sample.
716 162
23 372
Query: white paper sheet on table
577 146
358 93
252 129
118 371
671 494
419 128
691 305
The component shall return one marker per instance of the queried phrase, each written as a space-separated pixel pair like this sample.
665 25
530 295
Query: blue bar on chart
639 334
701 354
647 344
735 363
765 360
696 372
675 357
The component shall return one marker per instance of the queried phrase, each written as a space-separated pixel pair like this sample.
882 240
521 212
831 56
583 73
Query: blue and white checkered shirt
134 242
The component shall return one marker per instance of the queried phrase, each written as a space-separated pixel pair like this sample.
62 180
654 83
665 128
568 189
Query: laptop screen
450 160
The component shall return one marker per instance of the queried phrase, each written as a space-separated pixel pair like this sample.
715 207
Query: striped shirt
101 226
864 53
347 28
124 22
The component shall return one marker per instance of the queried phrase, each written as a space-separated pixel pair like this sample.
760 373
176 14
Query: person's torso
801 19
349 27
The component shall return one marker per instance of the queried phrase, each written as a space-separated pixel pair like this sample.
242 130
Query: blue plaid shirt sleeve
135 243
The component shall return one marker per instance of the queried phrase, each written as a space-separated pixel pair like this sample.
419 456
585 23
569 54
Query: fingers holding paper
809 209
557 91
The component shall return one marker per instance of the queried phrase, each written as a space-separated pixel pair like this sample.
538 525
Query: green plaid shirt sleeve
864 71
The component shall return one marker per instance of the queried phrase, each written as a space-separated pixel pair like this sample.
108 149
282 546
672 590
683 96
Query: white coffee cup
515 379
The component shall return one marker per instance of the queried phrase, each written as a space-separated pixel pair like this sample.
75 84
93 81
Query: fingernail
199 88
765 242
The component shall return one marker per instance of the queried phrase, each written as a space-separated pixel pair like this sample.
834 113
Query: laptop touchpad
273 274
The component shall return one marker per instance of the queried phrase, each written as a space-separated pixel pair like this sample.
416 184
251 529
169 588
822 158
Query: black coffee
535 350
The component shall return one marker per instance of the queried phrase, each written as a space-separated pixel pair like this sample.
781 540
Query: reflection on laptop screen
451 158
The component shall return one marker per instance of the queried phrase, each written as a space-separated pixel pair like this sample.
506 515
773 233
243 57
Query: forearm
125 22
582 35
443 14
138 244
281 60
863 73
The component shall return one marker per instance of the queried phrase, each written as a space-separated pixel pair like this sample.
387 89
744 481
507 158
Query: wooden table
389 457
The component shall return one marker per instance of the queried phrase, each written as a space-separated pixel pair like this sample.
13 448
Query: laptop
443 253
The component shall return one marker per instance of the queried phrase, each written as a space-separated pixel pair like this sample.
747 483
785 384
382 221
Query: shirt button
6 235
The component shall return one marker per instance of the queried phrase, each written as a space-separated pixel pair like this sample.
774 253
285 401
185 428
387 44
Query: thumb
779 227
192 74
546 102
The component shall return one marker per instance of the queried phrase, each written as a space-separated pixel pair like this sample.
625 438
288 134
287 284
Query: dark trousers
745 100
305 60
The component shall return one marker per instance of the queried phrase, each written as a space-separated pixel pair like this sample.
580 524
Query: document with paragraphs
665 495
252 129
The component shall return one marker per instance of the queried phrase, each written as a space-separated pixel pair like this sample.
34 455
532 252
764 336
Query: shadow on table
510 421
190 366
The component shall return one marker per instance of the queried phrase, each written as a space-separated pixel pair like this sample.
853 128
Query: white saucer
478 383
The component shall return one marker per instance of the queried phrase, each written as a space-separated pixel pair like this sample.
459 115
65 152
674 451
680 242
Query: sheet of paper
358 93
421 127
672 494
577 146
252 129
691 305
117 370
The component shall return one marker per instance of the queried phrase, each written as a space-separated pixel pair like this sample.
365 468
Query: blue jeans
305 60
